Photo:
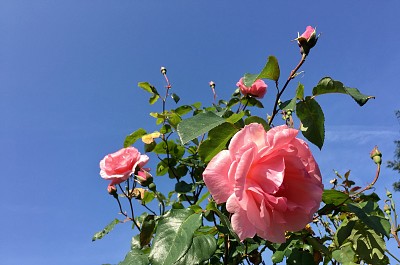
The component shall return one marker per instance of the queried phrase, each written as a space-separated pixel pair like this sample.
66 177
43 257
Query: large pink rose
269 181
118 166
258 89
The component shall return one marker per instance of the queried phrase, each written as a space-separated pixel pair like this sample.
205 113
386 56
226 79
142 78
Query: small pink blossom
257 89
307 40
118 166
308 33
269 181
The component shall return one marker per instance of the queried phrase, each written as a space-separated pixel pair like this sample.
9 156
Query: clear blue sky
68 81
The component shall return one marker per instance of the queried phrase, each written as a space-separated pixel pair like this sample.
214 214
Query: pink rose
257 90
307 40
269 181
118 166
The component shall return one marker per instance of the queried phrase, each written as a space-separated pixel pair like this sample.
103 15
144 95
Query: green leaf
235 117
153 99
174 236
133 137
197 125
146 232
216 141
175 97
256 119
182 110
375 222
334 197
312 119
345 255
183 187
106 230
328 85
135 257
343 232
148 87
288 104
202 248
299 257
300 91
212 206
270 71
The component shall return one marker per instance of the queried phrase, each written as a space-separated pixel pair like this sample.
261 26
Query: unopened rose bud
144 178
376 155
163 70
112 190
257 89
212 84
386 209
388 194
307 40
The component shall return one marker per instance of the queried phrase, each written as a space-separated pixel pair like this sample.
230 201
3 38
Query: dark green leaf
343 232
216 141
197 125
288 104
328 85
106 230
183 187
174 236
133 137
212 206
146 232
312 119
374 222
299 257
202 248
175 97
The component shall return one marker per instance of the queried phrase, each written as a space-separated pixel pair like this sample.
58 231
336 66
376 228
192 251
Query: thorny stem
291 76
378 170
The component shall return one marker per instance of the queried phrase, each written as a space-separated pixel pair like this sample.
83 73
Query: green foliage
270 71
106 230
312 119
133 137
174 236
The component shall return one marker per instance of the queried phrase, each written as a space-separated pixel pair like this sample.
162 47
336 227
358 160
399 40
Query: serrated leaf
270 71
312 119
328 85
106 230
174 236
216 141
201 249
133 137
197 125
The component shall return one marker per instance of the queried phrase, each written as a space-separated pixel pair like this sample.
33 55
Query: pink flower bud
307 40
257 89
112 190
144 178
376 155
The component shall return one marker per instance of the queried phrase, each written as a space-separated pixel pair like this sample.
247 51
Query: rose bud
307 40
112 190
144 178
257 89
376 155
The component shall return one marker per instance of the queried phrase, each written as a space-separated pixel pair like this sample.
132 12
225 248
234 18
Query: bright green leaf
133 137
334 197
300 91
135 257
312 119
197 125
174 236
270 71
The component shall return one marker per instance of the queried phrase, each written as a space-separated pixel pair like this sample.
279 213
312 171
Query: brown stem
278 96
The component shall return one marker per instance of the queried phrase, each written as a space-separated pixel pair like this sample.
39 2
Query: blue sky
68 81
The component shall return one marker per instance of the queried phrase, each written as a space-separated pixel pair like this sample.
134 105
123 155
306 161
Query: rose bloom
257 90
269 181
118 166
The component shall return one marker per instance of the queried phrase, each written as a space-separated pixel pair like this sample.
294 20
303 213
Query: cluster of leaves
190 228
